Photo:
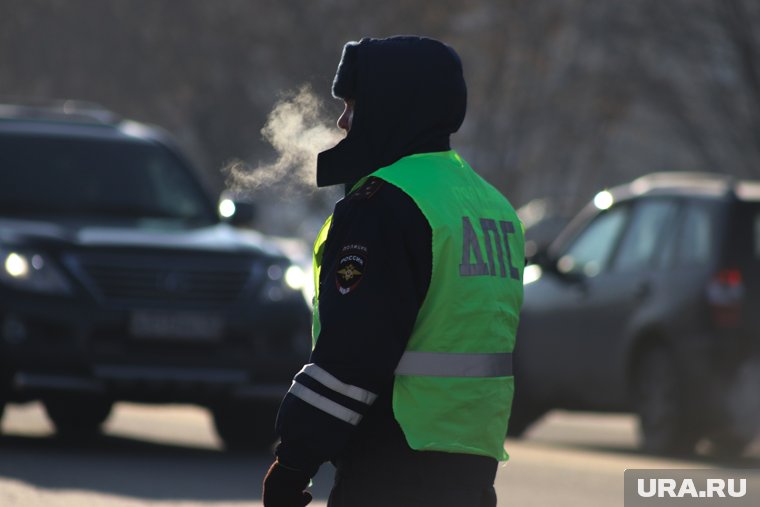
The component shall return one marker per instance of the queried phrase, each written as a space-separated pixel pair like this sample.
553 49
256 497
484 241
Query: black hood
410 97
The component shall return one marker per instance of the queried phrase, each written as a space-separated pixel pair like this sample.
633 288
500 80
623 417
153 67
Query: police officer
418 275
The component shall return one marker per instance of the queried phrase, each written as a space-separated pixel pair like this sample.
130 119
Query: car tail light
725 293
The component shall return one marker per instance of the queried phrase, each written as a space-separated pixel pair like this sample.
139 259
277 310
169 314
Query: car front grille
134 279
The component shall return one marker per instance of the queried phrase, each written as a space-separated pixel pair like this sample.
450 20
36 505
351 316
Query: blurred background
565 97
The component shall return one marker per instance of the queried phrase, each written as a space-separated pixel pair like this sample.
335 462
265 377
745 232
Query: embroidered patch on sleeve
367 190
352 264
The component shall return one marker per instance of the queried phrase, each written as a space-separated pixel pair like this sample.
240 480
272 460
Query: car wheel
659 404
246 426
77 418
728 445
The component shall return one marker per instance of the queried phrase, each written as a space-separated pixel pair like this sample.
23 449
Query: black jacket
365 330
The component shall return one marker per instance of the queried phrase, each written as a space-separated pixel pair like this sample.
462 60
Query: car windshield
73 177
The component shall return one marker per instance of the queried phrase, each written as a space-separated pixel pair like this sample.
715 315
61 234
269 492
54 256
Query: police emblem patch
351 266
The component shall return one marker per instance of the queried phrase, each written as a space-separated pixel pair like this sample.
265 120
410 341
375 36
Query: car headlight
283 279
31 271
295 278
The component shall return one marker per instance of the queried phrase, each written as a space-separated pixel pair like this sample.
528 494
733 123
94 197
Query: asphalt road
170 457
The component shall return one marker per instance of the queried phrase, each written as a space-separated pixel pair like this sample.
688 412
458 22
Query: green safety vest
453 387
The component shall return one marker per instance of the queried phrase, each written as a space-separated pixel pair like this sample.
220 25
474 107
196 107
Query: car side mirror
541 257
549 263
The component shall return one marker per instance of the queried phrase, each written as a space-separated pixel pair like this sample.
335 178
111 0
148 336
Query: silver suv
647 302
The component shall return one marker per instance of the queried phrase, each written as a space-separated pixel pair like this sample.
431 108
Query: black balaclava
410 97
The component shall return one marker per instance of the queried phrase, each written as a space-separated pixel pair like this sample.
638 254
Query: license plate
190 326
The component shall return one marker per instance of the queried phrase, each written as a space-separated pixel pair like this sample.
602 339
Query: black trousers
351 493
393 475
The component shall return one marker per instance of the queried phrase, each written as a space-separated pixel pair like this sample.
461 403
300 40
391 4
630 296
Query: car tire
245 426
728 445
659 404
77 418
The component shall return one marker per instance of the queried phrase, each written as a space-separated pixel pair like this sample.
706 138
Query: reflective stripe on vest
455 364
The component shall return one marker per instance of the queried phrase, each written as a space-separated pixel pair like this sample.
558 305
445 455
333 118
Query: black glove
285 487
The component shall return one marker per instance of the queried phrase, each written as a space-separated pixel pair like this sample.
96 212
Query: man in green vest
419 285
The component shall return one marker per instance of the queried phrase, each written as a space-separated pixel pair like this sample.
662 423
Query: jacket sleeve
375 274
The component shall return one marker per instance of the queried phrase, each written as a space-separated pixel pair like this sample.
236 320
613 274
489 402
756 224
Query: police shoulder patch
352 263
367 190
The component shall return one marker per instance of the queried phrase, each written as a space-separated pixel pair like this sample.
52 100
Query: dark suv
648 302
119 281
